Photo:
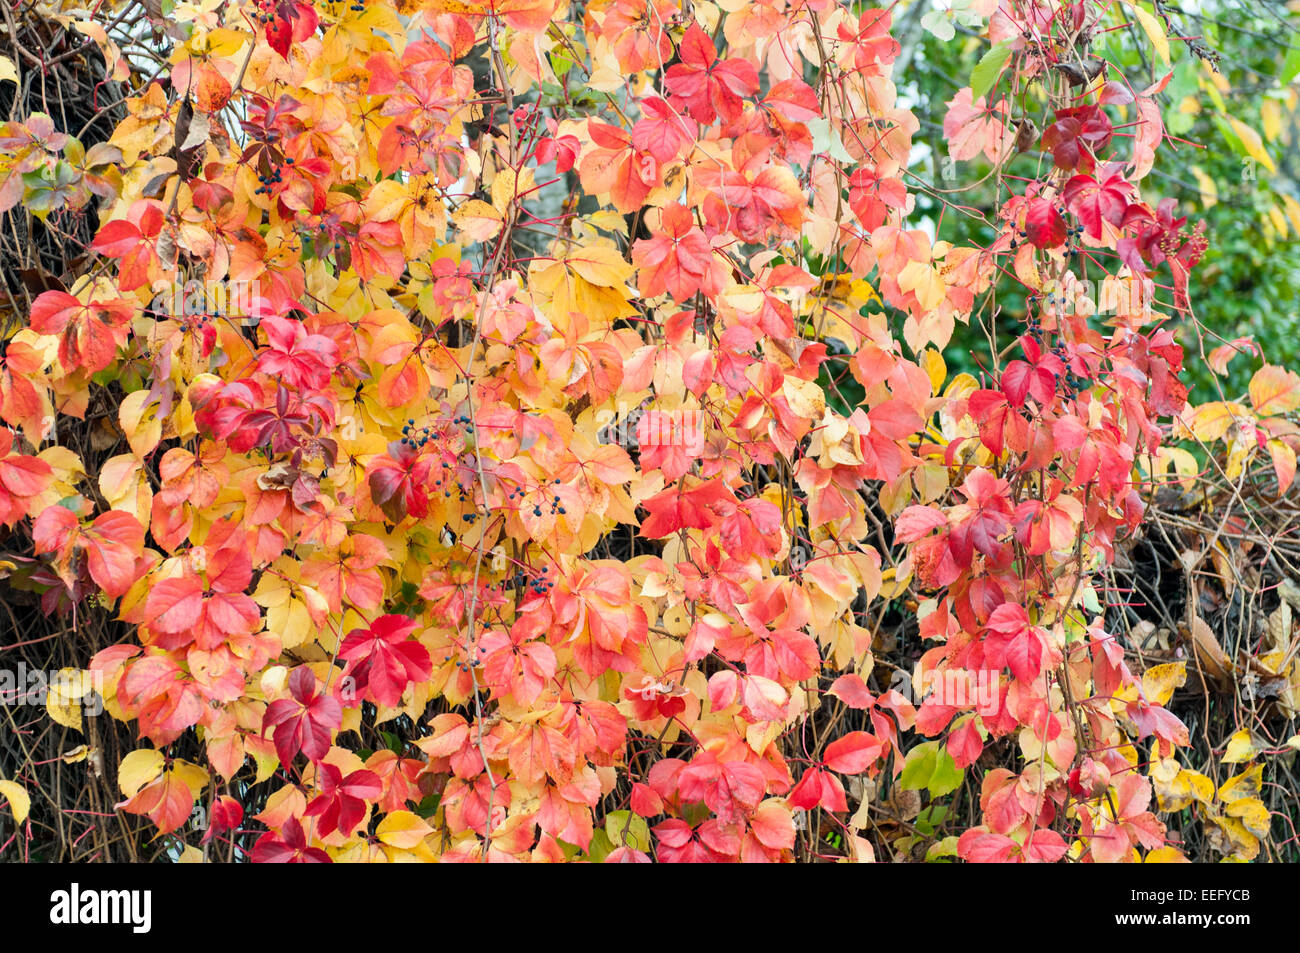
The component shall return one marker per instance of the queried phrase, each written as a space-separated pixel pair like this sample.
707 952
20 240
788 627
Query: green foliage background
1246 285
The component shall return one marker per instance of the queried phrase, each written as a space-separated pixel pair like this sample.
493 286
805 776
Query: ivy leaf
919 766
946 777
938 24
827 141
988 69
304 722
19 800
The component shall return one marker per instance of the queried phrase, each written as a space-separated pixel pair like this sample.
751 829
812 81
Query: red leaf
112 544
708 87
1095 202
304 722
342 803
383 660
980 846
965 744
773 826
661 131
1044 226
288 848
1044 847
1077 136
1115 93
853 753
916 522
677 508
794 99
852 690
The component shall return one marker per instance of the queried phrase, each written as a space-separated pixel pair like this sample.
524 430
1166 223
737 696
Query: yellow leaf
1160 681
291 622
140 422
891 586
7 70
925 281
1253 814
1241 747
1247 784
1292 212
1278 218
935 368
63 699
402 829
1252 142
1274 390
1232 838
1209 422
1165 855
600 265
507 188
477 220
125 485
194 777
1186 469
1201 787
19 801
387 199
1155 32
805 398
1178 788
590 282
76 755
1209 191
139 768
1241 450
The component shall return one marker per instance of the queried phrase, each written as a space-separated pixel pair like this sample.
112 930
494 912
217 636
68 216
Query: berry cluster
274 177
1055 301
556 505
472 663
1072 236
415 437
264 12
539 585
444 483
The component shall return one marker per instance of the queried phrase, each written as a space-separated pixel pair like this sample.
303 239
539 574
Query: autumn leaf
1274 390
306 721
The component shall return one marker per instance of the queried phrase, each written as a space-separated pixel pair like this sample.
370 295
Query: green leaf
600 847
931 819
571 851
560 64
1090 601
947 777
988 69
429 806
918 766
939 25
939 852
74 151
1291 66
638 831
1229 136
827 140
